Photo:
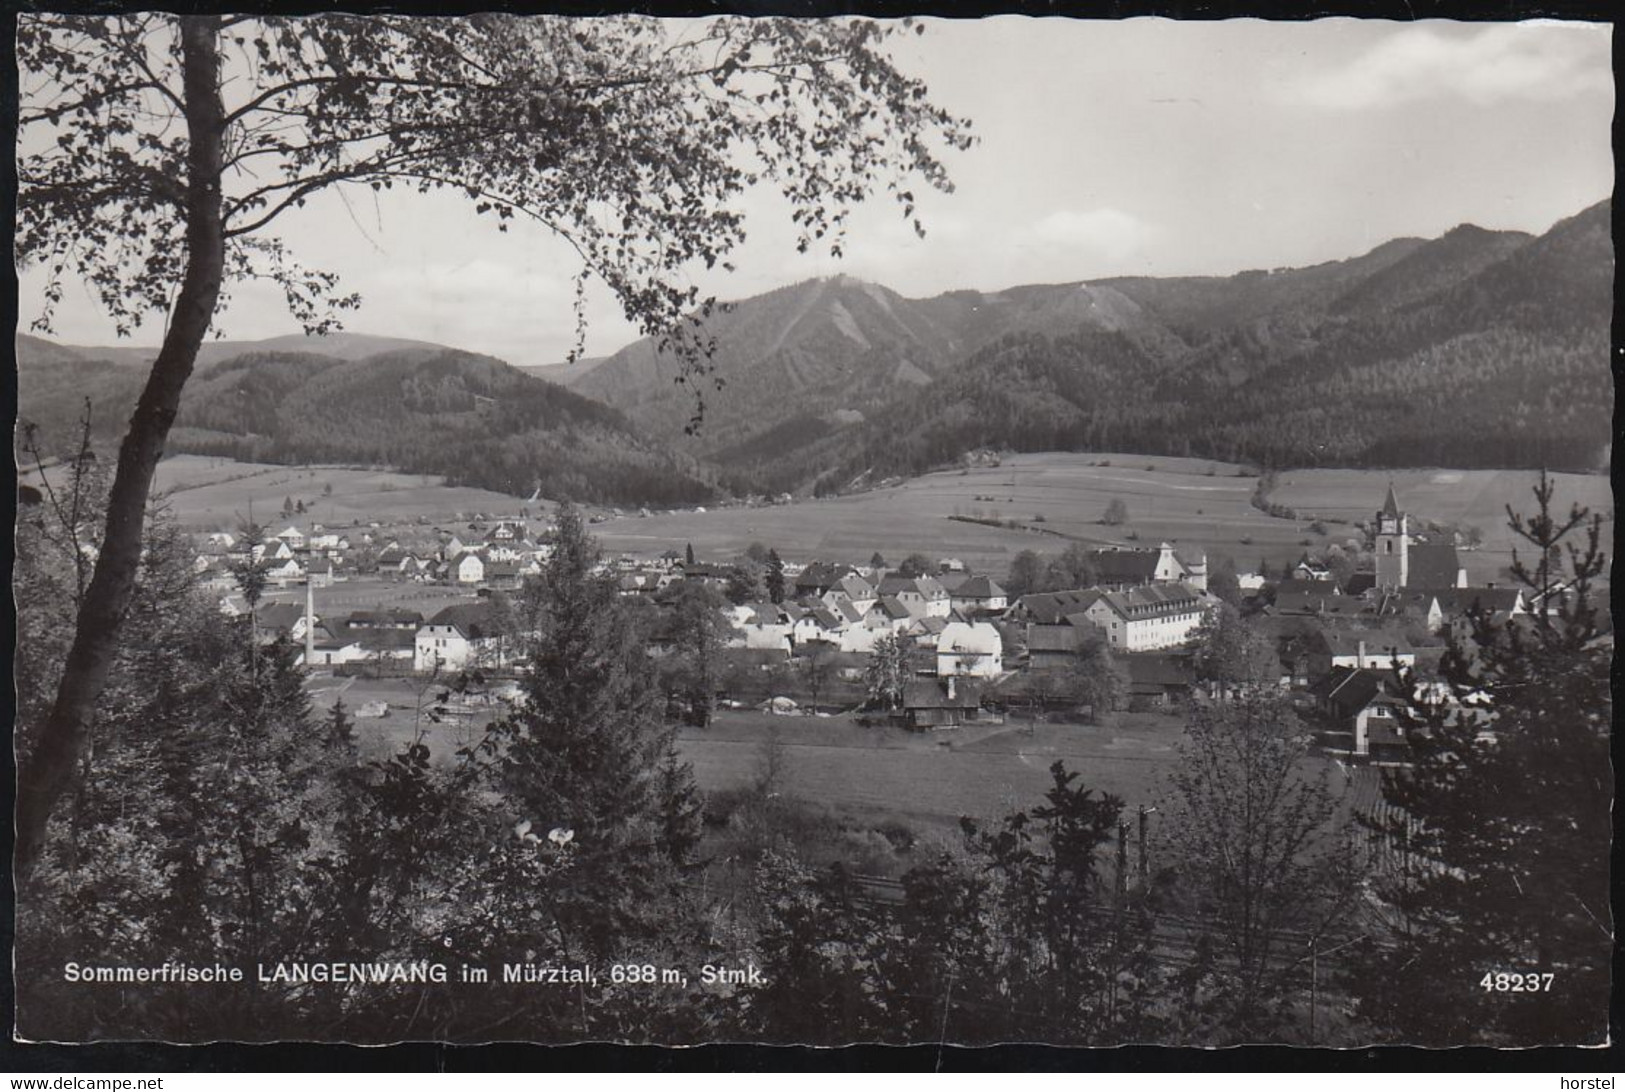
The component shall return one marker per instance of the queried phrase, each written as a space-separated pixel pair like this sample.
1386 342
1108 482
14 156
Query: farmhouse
469 567
919 595
941 703
455 636
970 648
1367 703
976 595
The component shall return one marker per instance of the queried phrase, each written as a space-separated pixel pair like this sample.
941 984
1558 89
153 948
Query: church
1405 564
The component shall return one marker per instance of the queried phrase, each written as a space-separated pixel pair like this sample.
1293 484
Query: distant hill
421 409
341 345
564 374
1476 349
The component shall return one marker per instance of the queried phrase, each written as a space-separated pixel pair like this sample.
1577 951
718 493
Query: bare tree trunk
46 774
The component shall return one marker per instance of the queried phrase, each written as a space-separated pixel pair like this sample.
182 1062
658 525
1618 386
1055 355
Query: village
375 610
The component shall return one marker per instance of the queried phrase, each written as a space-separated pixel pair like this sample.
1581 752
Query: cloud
1108 233
1507 62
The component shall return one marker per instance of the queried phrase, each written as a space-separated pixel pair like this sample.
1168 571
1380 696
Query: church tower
1393 545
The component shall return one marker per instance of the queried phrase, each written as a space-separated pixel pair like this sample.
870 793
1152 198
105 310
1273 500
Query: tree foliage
157 152
1497 834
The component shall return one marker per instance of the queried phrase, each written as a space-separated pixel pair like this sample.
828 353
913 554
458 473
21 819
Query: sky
1144 146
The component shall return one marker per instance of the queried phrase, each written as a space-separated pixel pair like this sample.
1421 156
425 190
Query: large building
1403 562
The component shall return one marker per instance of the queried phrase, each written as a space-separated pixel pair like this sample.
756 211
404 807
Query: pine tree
1496 837
775 576
587 750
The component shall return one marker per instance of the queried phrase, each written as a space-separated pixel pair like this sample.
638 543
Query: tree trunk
46 774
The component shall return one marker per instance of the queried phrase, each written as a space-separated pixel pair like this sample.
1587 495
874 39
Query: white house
454 636
970 648
470 569
920 595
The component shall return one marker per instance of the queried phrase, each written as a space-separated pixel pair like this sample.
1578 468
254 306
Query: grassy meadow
1196 504
208 493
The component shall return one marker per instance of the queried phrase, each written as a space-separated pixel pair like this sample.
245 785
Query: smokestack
950 688
1360 652
310 621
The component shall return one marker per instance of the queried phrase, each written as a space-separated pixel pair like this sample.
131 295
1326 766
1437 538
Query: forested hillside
472 419
1478 349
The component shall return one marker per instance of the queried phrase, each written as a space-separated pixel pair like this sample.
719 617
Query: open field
1195 504
927 780
208 493
372 593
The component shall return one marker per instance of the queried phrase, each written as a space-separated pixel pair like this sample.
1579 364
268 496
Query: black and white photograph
752 529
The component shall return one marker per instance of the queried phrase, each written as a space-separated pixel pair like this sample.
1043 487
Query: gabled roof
926 585
978 587
1125 566
1053 638
821 575
1432 565
891 608
473 620
1350 689
933 694
1320 604
1297 585
1048 608
1346 642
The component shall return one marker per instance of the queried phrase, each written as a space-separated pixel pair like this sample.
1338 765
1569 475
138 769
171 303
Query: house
970 648
977 595
457 635
502 575
819 577
853 589
764 626
1367 703
818 623
1159 678
469 567
1051 647
1124 568
1310 654
887 615
285 573
924 632
941 703
1051 608
273 620
291 537
919 595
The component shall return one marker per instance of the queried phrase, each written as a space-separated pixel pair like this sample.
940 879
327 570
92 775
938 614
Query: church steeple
1393 544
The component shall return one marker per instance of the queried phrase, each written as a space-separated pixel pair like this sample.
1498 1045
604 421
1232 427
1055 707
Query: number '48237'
1515 982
